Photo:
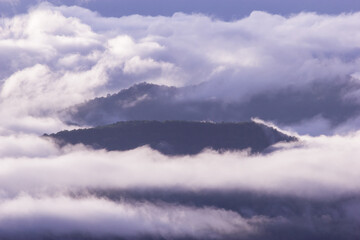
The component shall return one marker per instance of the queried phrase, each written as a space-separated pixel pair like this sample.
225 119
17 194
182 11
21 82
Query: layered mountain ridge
150 102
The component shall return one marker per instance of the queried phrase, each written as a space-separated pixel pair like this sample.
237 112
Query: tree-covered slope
175 137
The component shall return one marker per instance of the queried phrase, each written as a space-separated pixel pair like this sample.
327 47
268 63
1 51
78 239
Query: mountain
140 102
175 137
161 103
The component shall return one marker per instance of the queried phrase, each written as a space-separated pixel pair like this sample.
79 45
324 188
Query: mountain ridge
146 101
175 137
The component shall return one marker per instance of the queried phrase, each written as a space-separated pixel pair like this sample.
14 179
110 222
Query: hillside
175 137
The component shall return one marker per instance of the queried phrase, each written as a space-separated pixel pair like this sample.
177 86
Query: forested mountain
176 137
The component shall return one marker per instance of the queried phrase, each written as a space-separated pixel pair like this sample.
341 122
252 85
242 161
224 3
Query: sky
225 10
292 65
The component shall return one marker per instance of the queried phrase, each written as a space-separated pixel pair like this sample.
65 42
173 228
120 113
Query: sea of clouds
52 58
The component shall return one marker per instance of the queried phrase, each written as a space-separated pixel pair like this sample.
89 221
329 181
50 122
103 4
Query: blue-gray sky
224 9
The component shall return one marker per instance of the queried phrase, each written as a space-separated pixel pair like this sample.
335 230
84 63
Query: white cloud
15 146
84 55
318 168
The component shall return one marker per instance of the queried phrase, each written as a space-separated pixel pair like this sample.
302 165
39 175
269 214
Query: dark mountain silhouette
176 137
161 103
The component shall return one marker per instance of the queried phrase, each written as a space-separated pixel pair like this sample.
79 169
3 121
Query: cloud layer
309 169
94 217
55 57
77 191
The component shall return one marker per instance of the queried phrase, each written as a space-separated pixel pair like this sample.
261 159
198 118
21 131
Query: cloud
210 195
76 55
64 216
311 170
55 57
15 146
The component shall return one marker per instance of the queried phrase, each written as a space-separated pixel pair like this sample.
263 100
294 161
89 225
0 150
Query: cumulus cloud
75 55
